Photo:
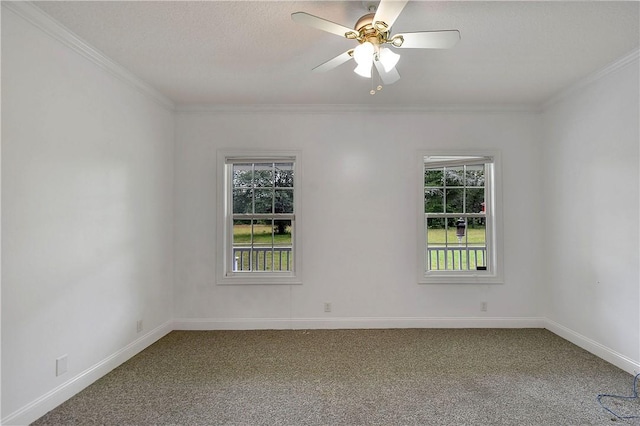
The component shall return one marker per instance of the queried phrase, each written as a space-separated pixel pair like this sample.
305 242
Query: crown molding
616 65
352 108
37 17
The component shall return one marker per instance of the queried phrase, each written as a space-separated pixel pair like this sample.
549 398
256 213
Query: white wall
92 190
359 220
591 214
87 199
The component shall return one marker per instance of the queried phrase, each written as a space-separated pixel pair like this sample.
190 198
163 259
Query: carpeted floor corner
354 377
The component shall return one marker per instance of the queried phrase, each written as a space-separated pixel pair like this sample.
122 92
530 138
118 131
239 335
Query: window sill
259 279
460 279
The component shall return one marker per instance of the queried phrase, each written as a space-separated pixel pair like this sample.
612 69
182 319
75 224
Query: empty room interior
316 167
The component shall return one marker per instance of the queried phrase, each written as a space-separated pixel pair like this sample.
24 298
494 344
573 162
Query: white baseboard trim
351 323
599 350
60 394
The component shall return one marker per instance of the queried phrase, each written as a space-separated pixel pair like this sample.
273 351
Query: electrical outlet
483 306
139 326
61 365
327 306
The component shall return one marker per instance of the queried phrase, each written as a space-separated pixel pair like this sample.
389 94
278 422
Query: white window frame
224 249
493 207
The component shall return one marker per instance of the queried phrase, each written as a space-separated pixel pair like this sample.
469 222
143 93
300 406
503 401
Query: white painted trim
354 323
40 19
599 350
50 400
592 78
353 108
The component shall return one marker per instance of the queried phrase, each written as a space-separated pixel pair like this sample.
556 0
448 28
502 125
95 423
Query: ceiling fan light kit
372 31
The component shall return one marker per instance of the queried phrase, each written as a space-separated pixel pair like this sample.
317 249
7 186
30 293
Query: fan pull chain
373 92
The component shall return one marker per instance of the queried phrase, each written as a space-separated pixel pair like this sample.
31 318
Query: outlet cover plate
61 365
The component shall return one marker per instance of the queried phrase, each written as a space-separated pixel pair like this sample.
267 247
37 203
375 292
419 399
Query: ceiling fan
373 31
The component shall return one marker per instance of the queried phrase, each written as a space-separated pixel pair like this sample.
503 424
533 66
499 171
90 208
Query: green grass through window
261 235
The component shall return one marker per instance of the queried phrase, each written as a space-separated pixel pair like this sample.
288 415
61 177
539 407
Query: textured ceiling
251 52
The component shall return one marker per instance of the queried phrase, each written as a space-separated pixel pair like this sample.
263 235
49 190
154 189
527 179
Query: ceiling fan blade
428 39
388 77
389 10
321 24
332 63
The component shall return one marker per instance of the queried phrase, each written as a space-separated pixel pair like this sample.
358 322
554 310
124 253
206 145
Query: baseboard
60 394
599 350
353 322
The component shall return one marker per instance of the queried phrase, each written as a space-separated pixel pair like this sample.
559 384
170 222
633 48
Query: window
259 214
459 217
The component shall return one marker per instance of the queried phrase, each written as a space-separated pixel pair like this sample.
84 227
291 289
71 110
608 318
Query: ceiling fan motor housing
374 32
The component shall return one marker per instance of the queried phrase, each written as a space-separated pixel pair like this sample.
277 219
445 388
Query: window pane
283 230
451 226
263 200
474 200
433 178
263 175
242 232
263 232
242 236
283 244
436 231
436 243
477 233
283 201
242 200
243 175
474 175
455 198
284 175
454 176
476 222
433 201
477 243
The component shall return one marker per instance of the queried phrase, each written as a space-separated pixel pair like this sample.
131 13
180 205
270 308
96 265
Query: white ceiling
251 52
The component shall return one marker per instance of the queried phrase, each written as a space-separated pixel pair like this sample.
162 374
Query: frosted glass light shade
363 70
363 52
388 58
363 55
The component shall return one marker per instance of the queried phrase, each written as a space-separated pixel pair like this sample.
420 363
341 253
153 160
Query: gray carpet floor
355 377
